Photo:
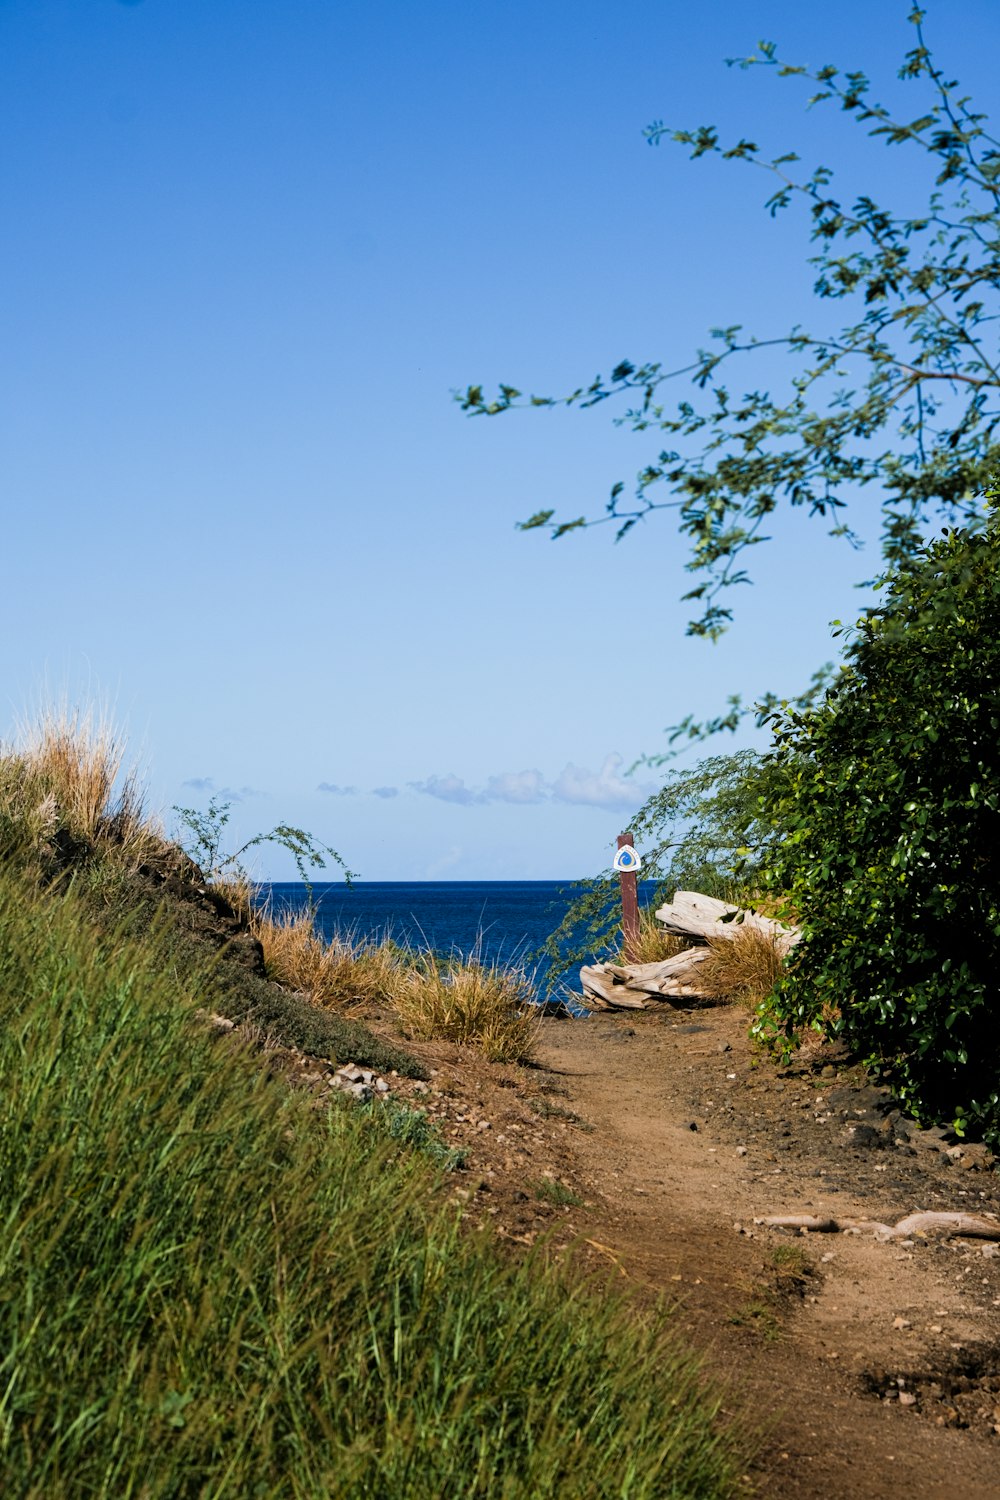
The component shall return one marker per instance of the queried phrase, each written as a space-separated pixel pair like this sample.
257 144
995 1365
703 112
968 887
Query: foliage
902 396
702 830
889 800
208 1287
206 830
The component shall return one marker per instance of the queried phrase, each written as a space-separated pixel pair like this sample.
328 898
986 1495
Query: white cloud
603 788
576 785
337 791
450 788
516 786
385 791
442 865
221 793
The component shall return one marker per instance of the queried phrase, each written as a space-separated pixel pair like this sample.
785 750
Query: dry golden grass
654 944
484 1004
744 967
237 888
67 771
341 972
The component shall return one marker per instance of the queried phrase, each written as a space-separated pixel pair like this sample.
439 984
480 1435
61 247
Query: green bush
890 816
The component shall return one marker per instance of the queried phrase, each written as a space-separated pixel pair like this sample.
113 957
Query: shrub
891 854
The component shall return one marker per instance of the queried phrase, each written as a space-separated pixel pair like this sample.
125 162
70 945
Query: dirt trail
878 1363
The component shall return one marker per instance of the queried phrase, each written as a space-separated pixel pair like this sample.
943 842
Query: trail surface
876 1364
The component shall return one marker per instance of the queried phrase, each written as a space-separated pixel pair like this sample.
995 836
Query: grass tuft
654 943
487 1005
343 971
744 967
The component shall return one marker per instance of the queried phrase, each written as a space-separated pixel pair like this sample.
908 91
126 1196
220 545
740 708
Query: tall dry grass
744 967
341 972
66 776
486 1004
654 943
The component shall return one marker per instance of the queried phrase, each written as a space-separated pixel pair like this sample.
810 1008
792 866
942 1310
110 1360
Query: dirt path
831 1337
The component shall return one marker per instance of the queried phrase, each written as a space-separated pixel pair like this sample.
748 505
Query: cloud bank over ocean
575 785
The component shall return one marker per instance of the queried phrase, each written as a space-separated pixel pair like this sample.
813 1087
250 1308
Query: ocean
502 920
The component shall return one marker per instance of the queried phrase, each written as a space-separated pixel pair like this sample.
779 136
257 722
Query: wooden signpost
627 863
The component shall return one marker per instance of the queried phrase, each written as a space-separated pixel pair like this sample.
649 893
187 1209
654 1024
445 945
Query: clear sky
249 249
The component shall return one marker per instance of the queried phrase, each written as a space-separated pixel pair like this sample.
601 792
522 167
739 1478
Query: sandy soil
650 1143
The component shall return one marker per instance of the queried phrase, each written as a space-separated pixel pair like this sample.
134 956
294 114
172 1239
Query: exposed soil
650 1143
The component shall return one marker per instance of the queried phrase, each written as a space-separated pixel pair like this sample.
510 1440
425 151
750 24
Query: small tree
890 811
902 396
204 833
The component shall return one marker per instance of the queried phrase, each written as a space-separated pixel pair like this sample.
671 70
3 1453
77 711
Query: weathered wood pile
610 986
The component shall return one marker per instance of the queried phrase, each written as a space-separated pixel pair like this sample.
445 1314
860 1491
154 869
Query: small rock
381 1086
725 1046
907 1398
829 1071
484 1125
741 1150
693 1125
221 1023
901 1323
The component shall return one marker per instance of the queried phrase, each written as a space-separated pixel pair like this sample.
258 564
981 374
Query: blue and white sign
627 861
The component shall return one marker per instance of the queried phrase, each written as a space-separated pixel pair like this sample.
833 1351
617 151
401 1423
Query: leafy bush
891 848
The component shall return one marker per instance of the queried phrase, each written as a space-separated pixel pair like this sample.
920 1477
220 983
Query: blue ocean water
502 920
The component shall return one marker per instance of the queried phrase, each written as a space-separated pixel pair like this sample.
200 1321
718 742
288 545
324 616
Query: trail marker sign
627 862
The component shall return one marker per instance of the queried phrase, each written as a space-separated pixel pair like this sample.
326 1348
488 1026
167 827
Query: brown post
630 905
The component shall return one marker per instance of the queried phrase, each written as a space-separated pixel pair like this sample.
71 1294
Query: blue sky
249 250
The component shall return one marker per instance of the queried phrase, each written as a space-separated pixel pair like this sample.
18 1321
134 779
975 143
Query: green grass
209 1288
548 1190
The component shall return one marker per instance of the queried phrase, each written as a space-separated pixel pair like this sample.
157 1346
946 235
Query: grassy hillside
208 1287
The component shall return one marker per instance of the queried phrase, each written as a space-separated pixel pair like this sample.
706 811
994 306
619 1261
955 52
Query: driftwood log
628 986
699 917
964 1226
